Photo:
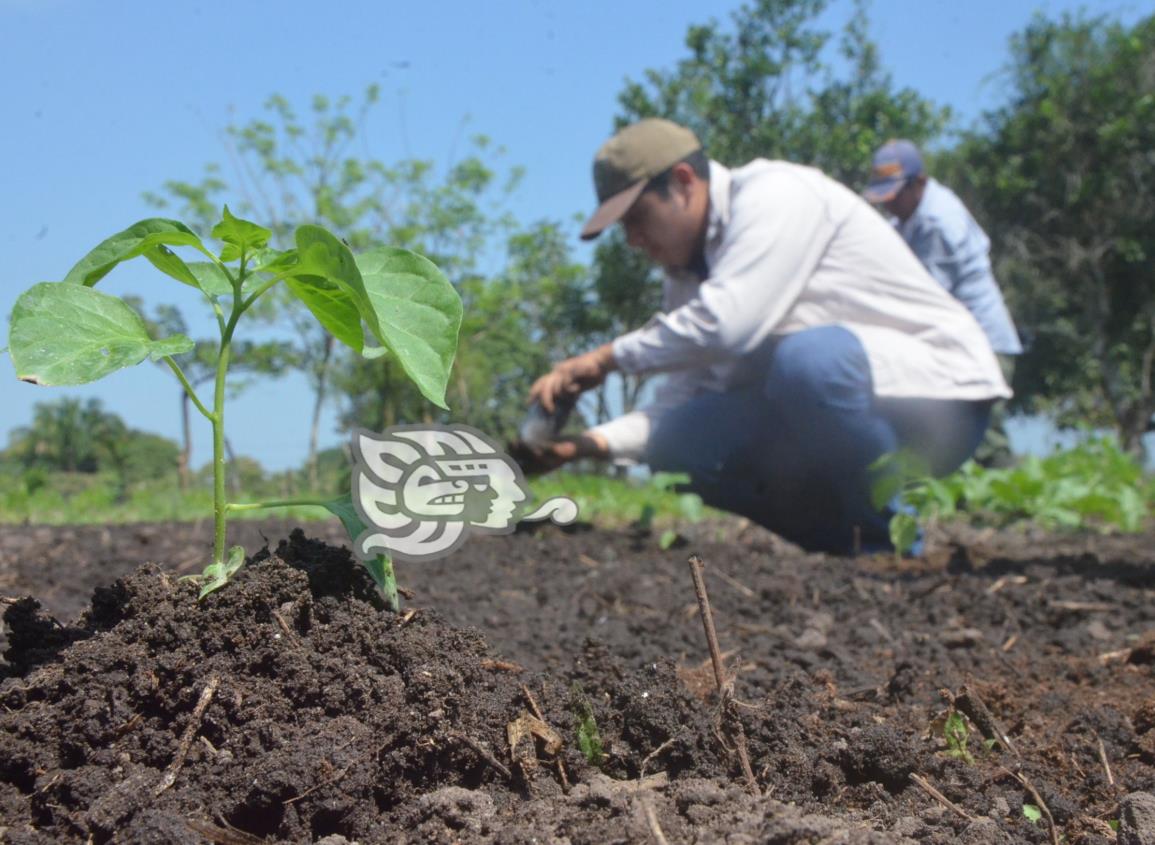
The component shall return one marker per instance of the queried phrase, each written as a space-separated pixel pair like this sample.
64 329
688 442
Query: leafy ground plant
690 506
1092 486
382 301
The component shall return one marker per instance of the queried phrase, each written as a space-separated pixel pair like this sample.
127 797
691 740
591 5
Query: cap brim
883 191
611 211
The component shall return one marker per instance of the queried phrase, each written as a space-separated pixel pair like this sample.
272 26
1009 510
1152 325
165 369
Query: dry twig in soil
976 710
189 732
923 784
1105 762
652 821
725 690
1042 805
561 772
485 755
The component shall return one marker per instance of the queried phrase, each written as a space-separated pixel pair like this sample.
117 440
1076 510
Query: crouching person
801 340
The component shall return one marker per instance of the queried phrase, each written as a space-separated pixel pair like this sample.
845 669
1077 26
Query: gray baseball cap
630 159
895 162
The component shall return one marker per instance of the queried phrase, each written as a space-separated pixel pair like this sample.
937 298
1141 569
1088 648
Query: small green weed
588 737
957 735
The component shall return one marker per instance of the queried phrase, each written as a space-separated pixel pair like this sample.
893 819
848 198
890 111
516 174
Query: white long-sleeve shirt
787 248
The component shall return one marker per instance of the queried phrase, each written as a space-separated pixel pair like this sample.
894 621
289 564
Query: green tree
270 358
456 219
851 115
1064 179
626 292
740 87
74 435
771 84
62 436
290 168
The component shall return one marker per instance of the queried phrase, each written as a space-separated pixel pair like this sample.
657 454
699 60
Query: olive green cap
630 159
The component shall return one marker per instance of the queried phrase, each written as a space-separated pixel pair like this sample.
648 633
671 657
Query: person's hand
538 460
571 377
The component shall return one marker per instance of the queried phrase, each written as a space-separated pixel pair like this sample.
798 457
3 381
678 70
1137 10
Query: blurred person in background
801 340
956 251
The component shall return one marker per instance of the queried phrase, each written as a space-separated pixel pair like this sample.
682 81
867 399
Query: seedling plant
1094 485
690 505
382 301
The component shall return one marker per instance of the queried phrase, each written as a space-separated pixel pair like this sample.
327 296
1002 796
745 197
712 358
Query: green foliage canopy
1064 178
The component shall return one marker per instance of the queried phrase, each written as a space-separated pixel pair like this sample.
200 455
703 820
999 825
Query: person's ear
682 178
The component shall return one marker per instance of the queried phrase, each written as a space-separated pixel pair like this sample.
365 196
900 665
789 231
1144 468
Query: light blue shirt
956 251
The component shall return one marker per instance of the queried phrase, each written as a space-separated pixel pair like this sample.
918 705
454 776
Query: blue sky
104 101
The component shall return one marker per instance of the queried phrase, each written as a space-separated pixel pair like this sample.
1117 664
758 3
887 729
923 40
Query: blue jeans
791 450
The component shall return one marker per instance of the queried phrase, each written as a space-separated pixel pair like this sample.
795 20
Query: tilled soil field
556 686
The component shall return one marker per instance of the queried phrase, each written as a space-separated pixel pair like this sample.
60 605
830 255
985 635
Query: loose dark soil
289 706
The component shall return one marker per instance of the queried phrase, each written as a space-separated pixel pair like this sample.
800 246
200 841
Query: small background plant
688 506
1092 486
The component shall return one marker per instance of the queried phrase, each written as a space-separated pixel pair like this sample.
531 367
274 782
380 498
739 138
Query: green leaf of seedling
885 488
342 507
269 263
166 347
381 570
668 538
239 236
381 567
211 278
588 737
333 307
1032 813
668 480
903 531
275 261
415 313
69 334
326 279
956 734
216 575
692 507
406 302
147 237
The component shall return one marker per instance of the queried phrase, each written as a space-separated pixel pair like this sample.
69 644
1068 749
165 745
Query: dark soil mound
289 706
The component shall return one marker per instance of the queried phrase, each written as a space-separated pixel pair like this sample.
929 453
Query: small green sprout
690 505
589 739
894 477
956 734
383 301
1032 813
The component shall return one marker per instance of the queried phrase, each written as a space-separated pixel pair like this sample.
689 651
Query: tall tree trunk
234 482
182 461
322 376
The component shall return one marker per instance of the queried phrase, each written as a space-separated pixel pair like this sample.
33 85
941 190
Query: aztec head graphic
424 489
